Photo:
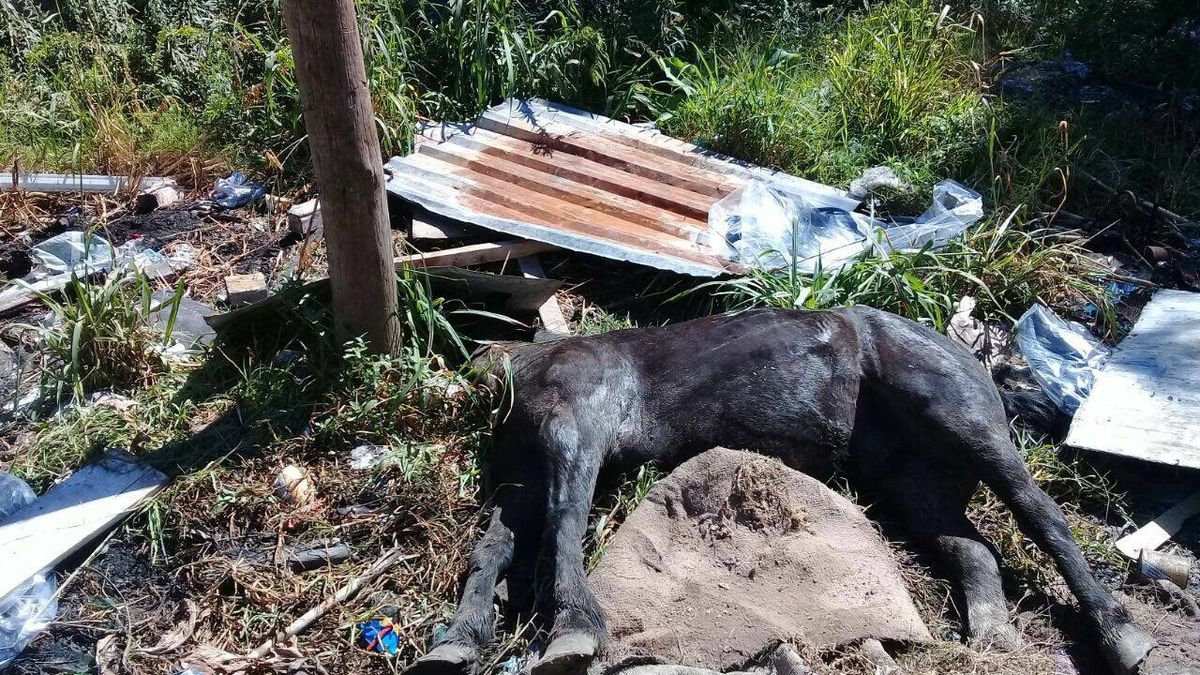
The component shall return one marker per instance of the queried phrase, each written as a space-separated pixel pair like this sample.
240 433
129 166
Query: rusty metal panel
544 172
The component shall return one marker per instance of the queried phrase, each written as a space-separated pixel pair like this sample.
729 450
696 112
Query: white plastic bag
30 608
955 208
1063 356
760 226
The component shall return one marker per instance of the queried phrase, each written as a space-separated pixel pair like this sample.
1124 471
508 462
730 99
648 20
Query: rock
734 552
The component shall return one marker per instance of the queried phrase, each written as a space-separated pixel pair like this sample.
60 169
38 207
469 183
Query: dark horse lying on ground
893 405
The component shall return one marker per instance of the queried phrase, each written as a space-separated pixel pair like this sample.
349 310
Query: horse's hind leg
1123 644
930 501
513 530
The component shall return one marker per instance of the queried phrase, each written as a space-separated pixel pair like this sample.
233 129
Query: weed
891 88
593 320
1005 268
100 335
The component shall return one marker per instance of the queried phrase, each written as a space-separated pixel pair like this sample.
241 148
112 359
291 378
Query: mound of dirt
734 552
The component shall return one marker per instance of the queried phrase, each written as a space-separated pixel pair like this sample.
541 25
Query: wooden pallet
582 182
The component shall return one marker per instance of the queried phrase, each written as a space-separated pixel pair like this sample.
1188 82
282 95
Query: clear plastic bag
760 226
32 606
1063 356
955 207
70 252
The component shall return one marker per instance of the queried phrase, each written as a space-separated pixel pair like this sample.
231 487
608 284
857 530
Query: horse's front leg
574 452
514 529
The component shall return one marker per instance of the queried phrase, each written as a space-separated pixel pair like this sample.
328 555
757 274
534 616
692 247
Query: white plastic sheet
760 226
955 208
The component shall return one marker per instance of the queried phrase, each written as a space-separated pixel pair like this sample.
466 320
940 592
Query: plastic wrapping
761 226
1062 355
70 252
873 179
955 207
32 606
758 225
236 191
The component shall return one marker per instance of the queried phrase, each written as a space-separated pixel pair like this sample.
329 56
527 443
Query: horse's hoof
446 659
567 655
1125 646
1001 636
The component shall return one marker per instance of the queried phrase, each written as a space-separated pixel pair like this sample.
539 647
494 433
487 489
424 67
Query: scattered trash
30 607
1063 356
156 195
1114 293
761 226
236 191
1143 403
191 331
1154 565
983 340
305 219
873 179
295 485
79 254
379 635
68 253
381 565
367 457
112 401
317 554
71 514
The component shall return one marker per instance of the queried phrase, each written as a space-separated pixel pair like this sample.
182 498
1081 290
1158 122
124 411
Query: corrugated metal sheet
582 182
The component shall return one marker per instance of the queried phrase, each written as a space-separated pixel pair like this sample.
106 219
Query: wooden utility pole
348 164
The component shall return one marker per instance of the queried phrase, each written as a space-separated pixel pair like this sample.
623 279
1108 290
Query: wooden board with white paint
71 514
1156 532
1145 402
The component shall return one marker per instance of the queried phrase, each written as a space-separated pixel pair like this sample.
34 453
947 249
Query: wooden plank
453 200
588 172
475 254
550 312
1156 532
560 137
651 140
566 190
476 191
70 515
1145 402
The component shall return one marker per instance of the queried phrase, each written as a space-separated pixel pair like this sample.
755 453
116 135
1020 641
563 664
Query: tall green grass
893 86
